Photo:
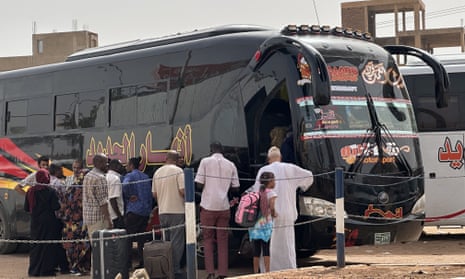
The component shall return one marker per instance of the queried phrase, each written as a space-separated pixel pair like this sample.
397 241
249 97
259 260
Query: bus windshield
352 115
348 113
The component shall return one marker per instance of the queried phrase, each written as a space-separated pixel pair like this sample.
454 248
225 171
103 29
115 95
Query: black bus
340 94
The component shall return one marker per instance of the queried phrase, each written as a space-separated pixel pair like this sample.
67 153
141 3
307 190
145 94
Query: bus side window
80 110
38 115
123 106
428 116
16 120
152 103
92 109
64 112
28 116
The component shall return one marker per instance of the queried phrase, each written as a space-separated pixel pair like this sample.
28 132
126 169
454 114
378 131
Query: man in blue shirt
137 195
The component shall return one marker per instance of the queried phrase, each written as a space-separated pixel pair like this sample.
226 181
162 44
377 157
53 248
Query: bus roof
326 40
165 40
452 62
211 32
452 59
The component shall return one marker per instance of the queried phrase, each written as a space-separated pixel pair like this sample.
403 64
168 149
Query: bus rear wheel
5 233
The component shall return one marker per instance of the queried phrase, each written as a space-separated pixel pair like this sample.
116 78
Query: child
260 234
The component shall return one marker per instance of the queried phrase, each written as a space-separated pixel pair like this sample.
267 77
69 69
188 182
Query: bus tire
5 233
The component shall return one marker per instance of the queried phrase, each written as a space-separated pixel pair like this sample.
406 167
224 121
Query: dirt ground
439 254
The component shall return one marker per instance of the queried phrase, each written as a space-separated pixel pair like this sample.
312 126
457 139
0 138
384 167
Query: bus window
388 118
30 116
122 106
80 110
65 112
357 117
349 116
429 117
38 115
92 109
152 106
16 118
141 104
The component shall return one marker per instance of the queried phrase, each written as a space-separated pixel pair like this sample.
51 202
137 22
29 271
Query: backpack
248 210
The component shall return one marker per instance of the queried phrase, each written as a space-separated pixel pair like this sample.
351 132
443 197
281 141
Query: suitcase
109 256
158 258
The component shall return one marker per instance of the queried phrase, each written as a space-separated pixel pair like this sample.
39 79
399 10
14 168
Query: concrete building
55 47
362 15
50 48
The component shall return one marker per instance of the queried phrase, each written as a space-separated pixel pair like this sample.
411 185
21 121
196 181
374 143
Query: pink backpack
248 209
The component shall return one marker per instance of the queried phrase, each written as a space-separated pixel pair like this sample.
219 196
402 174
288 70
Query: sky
118 21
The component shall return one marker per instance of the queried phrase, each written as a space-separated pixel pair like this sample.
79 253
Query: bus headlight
310 206
419 207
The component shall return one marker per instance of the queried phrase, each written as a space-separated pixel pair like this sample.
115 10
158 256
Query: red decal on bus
453 156
343 73
385 214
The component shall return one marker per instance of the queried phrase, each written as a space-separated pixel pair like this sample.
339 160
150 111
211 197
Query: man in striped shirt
95 196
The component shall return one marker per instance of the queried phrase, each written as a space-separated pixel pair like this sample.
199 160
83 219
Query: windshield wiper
377 129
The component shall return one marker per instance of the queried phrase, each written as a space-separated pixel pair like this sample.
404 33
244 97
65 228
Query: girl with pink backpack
260 233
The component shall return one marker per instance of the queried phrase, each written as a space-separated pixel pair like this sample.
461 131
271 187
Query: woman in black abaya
42 201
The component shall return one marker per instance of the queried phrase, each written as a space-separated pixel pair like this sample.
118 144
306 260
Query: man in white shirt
56 171
216 175
30 180
115 193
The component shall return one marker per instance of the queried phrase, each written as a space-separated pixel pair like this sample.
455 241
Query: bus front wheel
5 233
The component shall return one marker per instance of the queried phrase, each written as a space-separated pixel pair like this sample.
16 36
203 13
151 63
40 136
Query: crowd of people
111 196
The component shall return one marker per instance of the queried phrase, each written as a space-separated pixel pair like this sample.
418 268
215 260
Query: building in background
54 47
362 15
50 48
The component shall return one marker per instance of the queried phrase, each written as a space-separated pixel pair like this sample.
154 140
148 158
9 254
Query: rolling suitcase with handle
109 254
158 258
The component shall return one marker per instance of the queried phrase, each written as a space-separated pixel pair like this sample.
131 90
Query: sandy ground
439 254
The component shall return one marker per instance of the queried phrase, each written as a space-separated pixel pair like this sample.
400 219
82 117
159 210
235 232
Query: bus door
268 121
444 177
270 90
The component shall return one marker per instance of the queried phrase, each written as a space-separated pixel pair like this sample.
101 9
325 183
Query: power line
435 14
316 12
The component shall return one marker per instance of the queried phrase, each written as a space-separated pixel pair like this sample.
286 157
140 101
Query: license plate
382 238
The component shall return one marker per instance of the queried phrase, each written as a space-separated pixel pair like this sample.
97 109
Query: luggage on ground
158 258
109 254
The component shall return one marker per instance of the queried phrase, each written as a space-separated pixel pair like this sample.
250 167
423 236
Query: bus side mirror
321 83
441 77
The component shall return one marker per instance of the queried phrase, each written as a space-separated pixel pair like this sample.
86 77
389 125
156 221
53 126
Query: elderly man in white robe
288 178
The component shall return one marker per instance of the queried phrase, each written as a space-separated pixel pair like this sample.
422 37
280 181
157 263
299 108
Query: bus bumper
314 234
